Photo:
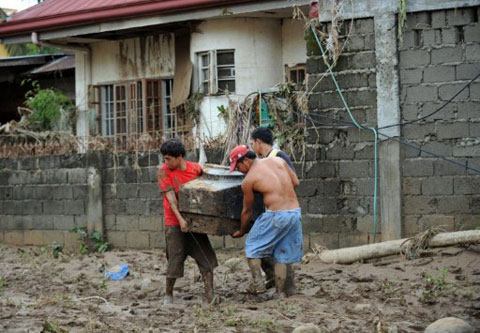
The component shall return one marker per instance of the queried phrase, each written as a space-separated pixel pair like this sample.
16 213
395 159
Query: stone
308 328
362 307
450 325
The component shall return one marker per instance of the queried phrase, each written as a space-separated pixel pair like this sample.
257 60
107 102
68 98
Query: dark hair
264 134
173 147
250 154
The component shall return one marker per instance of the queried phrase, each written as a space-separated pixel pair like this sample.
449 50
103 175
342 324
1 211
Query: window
170 119
130 109
216 71
296 74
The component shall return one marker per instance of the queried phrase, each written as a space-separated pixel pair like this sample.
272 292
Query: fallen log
352 254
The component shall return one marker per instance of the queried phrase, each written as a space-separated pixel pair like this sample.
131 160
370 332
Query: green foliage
52 327
223 112
96 236
46 105
192 107
3 283
434 287
57 249
82 237
100 245
29 49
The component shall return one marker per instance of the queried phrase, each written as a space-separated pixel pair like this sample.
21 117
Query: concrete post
94 204
388 113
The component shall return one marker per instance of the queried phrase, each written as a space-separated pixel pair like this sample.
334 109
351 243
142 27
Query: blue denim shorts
278 234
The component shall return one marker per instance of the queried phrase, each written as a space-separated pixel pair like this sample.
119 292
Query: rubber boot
257 286
268 267
290 288
208 285
280 279
168 299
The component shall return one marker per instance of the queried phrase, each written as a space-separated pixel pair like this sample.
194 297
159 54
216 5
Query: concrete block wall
337 184
439 56
41 199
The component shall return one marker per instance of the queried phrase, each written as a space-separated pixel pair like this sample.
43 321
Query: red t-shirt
172 179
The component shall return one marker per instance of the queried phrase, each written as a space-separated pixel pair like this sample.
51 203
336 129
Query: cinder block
14 237
467 110
453 205
74 207
410 40
467 222
363 186
445 168
467 71
472 52
412 186
452 131
71 241
466 151
150 223
2 238
80 220
437 185
420 20
448 112
127 223
138 239
421 93
419 205
149 190
136 207
409 76
320 170
355 169
28 163
353 239
155 207
110 222
127 191
24 192
34 237
77 176
42 222
59 192
439 74
460 16
157 239
414 58
466 185
439 148
444 222
418 131
63 222
355 43
79 192
53 236
438 19
412 226
307 188
53 207
417 167
430 37
474 130
447 55
58 176
328 240
475 90
28 207
450 36
118 239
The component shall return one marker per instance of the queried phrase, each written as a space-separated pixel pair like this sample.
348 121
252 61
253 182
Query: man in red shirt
179 241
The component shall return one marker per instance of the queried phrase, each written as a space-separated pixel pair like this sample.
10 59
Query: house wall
262 48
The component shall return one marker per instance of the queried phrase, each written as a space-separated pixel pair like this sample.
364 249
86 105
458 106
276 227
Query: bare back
273 178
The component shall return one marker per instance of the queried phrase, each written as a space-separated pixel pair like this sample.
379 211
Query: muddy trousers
207 282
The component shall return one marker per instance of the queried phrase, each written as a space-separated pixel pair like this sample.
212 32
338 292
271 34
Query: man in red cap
276 233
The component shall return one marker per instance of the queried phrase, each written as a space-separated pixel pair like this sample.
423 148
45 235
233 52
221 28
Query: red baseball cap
237 153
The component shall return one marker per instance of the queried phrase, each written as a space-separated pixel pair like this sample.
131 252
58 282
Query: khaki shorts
180 244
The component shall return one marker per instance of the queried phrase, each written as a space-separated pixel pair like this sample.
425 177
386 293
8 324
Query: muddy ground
69 294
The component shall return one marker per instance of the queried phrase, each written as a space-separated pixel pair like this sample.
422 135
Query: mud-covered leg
208 284
290 288
170 283
268 267
280 279
257 286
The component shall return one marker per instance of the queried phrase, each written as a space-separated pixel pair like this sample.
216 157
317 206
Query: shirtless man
276 233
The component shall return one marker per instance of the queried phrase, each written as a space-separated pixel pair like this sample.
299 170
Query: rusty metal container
212 204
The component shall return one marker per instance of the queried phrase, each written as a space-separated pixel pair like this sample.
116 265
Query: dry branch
357 253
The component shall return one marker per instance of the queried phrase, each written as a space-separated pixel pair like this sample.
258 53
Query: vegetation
96 236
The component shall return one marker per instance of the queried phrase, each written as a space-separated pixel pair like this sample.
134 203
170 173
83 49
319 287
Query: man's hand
183 225
238 234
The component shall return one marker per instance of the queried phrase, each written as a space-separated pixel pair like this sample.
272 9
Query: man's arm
248 198
172 201
293 176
